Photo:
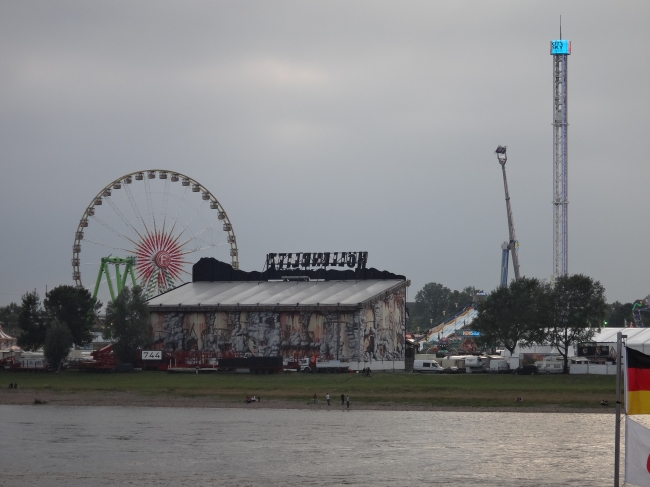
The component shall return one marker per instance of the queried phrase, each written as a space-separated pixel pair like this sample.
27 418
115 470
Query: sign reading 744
151 355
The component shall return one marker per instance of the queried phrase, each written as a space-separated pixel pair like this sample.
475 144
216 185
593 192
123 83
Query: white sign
152 355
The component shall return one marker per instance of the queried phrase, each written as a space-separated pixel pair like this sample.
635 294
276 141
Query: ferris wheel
148 228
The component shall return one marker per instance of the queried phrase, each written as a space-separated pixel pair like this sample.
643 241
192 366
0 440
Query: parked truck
313 364
255 365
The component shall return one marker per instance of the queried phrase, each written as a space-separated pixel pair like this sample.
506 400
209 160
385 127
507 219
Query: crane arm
513 244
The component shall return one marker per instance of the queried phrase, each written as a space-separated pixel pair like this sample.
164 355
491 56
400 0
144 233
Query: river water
101 446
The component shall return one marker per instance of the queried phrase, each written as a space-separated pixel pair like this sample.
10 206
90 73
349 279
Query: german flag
637 382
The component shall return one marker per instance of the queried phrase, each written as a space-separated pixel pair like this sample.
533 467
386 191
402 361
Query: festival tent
637 338
6 341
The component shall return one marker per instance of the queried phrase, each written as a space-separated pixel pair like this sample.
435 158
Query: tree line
435 302
531 312
68 314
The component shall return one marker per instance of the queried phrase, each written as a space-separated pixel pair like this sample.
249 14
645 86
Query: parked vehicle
526 370
453 361
499 366
555 364
315 365
255 365
29 361
476 364
427 366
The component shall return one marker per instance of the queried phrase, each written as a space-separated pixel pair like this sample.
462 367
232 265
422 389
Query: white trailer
499 366
453 361
475 364
554 364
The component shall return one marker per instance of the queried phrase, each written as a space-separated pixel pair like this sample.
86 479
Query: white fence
593 369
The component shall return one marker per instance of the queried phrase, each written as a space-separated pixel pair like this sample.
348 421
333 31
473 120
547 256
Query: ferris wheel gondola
160 221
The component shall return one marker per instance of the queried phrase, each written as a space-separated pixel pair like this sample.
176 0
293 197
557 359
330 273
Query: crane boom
513 244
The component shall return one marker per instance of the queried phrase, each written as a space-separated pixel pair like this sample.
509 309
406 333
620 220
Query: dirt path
133 399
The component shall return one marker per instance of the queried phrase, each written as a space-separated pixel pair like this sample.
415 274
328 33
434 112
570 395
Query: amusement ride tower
560 50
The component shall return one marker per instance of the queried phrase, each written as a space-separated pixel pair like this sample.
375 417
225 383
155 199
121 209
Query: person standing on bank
342 399
348 401
314 398
327 398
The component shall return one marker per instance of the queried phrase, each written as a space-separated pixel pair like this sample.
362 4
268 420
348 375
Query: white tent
637 338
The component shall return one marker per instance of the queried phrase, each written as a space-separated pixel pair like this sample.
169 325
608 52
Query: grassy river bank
294 390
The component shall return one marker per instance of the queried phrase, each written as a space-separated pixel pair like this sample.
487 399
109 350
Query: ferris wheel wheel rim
76 246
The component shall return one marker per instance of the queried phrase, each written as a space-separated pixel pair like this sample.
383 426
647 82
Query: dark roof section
211 269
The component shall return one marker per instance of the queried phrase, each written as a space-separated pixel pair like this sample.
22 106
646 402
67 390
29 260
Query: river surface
101 446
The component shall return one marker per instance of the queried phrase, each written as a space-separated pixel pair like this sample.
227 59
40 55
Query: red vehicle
103 361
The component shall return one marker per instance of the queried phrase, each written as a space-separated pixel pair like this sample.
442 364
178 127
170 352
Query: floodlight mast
513 245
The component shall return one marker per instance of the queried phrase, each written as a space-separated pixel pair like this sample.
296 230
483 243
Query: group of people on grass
250 399
344 399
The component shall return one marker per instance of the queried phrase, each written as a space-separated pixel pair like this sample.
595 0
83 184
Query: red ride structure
104 360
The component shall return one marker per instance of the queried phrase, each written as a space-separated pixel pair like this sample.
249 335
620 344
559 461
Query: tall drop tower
560 50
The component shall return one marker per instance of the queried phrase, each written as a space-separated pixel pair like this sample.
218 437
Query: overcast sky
333 126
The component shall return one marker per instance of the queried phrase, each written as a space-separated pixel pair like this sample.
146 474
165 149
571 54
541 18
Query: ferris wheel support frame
140 175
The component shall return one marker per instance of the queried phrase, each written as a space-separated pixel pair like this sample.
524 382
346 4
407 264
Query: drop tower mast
560 50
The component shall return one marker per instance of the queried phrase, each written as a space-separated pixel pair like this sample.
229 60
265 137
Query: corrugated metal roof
274 293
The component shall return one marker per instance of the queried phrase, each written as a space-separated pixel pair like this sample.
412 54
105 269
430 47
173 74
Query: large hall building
356 316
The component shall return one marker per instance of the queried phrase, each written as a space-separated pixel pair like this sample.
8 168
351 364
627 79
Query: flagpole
617 438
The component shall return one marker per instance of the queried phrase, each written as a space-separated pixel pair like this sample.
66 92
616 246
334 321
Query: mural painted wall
367 334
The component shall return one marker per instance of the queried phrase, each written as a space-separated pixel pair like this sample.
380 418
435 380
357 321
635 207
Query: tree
418 317
75 307
434 299
575 309
58 341
434 302
619 314
127 321
31 321
511 315
458 299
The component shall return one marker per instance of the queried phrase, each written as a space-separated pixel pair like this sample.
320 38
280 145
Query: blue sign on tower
560 47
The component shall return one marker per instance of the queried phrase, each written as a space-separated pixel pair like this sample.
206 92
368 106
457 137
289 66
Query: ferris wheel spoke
147 190
145 275
165 281
178 209
134 206
107 226
164 205
199 249
109 246
189 222
200 232
121 215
